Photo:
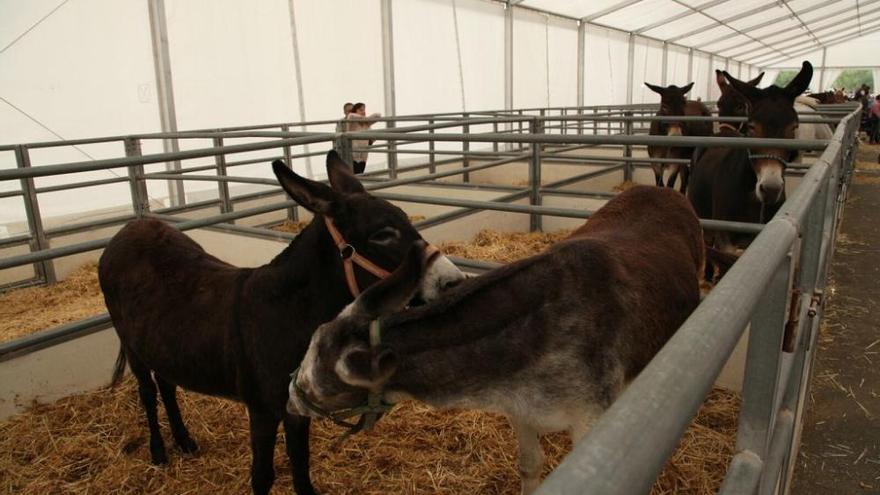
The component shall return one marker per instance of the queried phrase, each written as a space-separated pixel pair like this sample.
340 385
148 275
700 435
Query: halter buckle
347 251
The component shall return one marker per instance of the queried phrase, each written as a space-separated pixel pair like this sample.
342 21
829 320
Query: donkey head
731 103
341 365
771 114
371 227
672 103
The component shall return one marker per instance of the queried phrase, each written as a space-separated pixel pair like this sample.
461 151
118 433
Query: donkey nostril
450 284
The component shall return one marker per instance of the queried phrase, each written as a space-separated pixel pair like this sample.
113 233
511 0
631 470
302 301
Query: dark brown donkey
673 103
197 322
748 185
550 341
732 104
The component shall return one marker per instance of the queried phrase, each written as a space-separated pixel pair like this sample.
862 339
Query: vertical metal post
297 67
763 361
627 149
495 131
582 37
508 66
432 159
292 212
165 93
690 64
288 160
710 79
388 73
222 186
520 129
535 223
822 71
508 57
140 201
630 67
465 149
38 241
664 63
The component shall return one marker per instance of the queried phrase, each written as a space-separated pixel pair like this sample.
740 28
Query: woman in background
356 121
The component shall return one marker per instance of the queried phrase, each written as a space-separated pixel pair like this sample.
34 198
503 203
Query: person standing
874 122
358 121
346 109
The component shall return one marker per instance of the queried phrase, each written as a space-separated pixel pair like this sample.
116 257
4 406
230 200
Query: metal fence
785 266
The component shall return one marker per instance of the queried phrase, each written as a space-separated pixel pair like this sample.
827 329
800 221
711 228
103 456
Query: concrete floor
840 450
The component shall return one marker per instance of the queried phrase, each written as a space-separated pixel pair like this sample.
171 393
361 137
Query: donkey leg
296 441
673 177
264 429
182 438
685 178
147 392
531 455
658 174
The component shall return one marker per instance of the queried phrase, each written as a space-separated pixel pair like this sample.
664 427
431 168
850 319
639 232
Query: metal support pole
508 68
663 64
690 64
710 79
222 186
582 36
165 93
297 66
388 79
630 68
140 201
494 143
822 71
38 241
535 219
763 363
432 159
627 149
465 148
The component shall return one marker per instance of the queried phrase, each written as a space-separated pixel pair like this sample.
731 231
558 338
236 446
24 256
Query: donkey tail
118 368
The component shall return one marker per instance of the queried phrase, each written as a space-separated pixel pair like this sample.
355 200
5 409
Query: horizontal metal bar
73 228
53 336
10 194
64 168
78 185
16 240
683 141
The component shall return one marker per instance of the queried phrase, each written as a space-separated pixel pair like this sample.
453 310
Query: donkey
197 322
550 340
673 103
732 104
749 185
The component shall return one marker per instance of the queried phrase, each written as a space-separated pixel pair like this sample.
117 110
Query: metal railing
792 251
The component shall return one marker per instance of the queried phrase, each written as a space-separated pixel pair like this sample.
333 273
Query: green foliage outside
850 79
853 79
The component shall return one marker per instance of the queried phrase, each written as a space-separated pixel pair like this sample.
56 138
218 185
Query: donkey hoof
159 457
188 446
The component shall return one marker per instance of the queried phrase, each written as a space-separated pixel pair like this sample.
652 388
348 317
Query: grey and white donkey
550 341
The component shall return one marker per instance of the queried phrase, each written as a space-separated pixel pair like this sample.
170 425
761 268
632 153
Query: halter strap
351 257
725 125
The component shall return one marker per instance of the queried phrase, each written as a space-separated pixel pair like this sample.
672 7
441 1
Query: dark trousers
359 167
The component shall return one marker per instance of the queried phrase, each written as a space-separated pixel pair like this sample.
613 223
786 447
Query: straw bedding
98 442
25 311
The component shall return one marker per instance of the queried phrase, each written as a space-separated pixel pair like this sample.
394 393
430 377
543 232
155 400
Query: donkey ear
756 81
657 89
313 196
391 295
719 78
360 367
801 81
341 177
684 89
750 93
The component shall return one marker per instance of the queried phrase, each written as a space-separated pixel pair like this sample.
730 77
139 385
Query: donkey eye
385 236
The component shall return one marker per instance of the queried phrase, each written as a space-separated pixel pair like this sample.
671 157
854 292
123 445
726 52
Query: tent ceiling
757 32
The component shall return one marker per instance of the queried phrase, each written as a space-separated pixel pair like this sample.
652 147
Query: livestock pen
539 169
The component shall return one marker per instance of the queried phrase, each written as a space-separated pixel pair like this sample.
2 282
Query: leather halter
724 125
351 257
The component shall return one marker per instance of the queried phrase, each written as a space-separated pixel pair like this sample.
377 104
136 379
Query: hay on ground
28 310
623 186
98 443
297 227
